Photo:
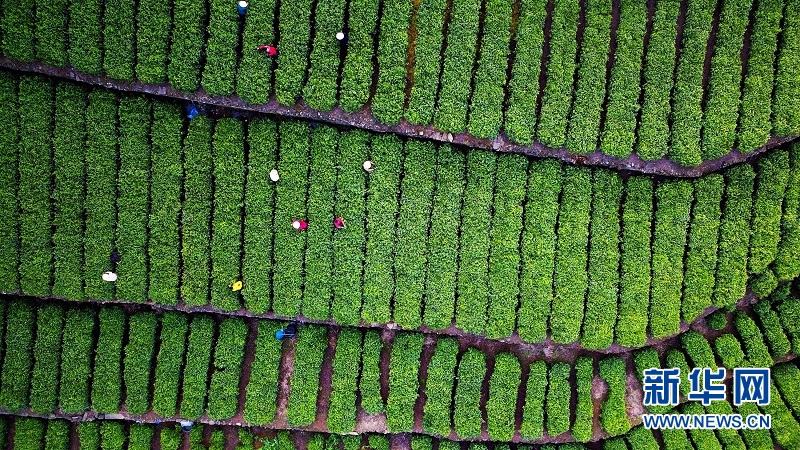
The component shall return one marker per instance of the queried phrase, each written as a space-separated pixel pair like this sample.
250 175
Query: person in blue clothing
192 112
287 333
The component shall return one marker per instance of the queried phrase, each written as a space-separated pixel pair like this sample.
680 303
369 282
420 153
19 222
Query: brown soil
325 386
364 119
427 353
599 395
284 378
712 37
370 423
247 365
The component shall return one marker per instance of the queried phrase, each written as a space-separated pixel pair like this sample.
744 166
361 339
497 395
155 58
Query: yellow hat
237 286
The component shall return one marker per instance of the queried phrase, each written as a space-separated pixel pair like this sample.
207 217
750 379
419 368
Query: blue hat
279 334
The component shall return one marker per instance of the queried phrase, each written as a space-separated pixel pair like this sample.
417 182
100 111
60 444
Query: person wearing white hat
242 7
273 175
369 166
109 276
341 37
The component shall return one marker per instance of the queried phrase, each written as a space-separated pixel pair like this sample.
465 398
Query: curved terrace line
363 119
547 350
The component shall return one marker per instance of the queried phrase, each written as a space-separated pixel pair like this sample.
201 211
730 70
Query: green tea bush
153 25
590 89
504 236
389 99
317 290
262 391
254 78
732 256
302 408
538 247
47 354
259 204
625 84
721 112
163 244
669 241
382 203
344 382
765 229
321 86
785 120
196 213
137 361
85 34
227 216
582 429
439 387
187 43
559 395
412 230
404 367
476 218
76 360
459 54
613 416
520 118
701 257
119 39
223 391
348 247
653 131
467 413
754 118
220 47
571 278
552 127
35 169
486 102
17 365
51 30
604 258
290 205
68 190
195 372
9 178
755 349
106 391
294 29
687 113
169 363
773 331
133 199
370 382
427 63
440 296
502 403
357 71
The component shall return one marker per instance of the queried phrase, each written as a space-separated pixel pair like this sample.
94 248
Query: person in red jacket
270 50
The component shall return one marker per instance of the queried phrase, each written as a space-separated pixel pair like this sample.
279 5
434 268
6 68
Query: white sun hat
273 175
109 276
368 165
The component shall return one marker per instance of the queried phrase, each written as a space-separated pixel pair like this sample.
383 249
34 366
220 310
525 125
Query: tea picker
287 333
242 7
269 50
186 425
111 275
